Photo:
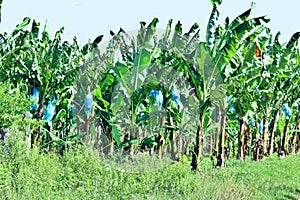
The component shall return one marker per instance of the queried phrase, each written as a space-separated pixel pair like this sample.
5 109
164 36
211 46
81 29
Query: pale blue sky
89 18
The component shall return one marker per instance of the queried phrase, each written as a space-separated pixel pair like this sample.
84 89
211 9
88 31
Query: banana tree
153 64
279 68
242 99
208 90
49 66
226 42
289 72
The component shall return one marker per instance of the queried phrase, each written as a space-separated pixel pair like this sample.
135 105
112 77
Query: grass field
80 175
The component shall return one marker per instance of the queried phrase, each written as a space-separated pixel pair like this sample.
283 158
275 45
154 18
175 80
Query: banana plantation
157 93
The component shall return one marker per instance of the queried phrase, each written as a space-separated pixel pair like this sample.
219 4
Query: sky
86 19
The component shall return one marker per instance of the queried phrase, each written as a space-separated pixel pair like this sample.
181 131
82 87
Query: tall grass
79 174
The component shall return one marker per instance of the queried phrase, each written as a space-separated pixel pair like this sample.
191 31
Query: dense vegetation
170 95
79 174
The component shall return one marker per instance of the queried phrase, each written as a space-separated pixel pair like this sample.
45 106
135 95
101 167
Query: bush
13 106
16 123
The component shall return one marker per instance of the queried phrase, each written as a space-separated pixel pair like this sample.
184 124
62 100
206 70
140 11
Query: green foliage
14 106
80 174
213 2
240 56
